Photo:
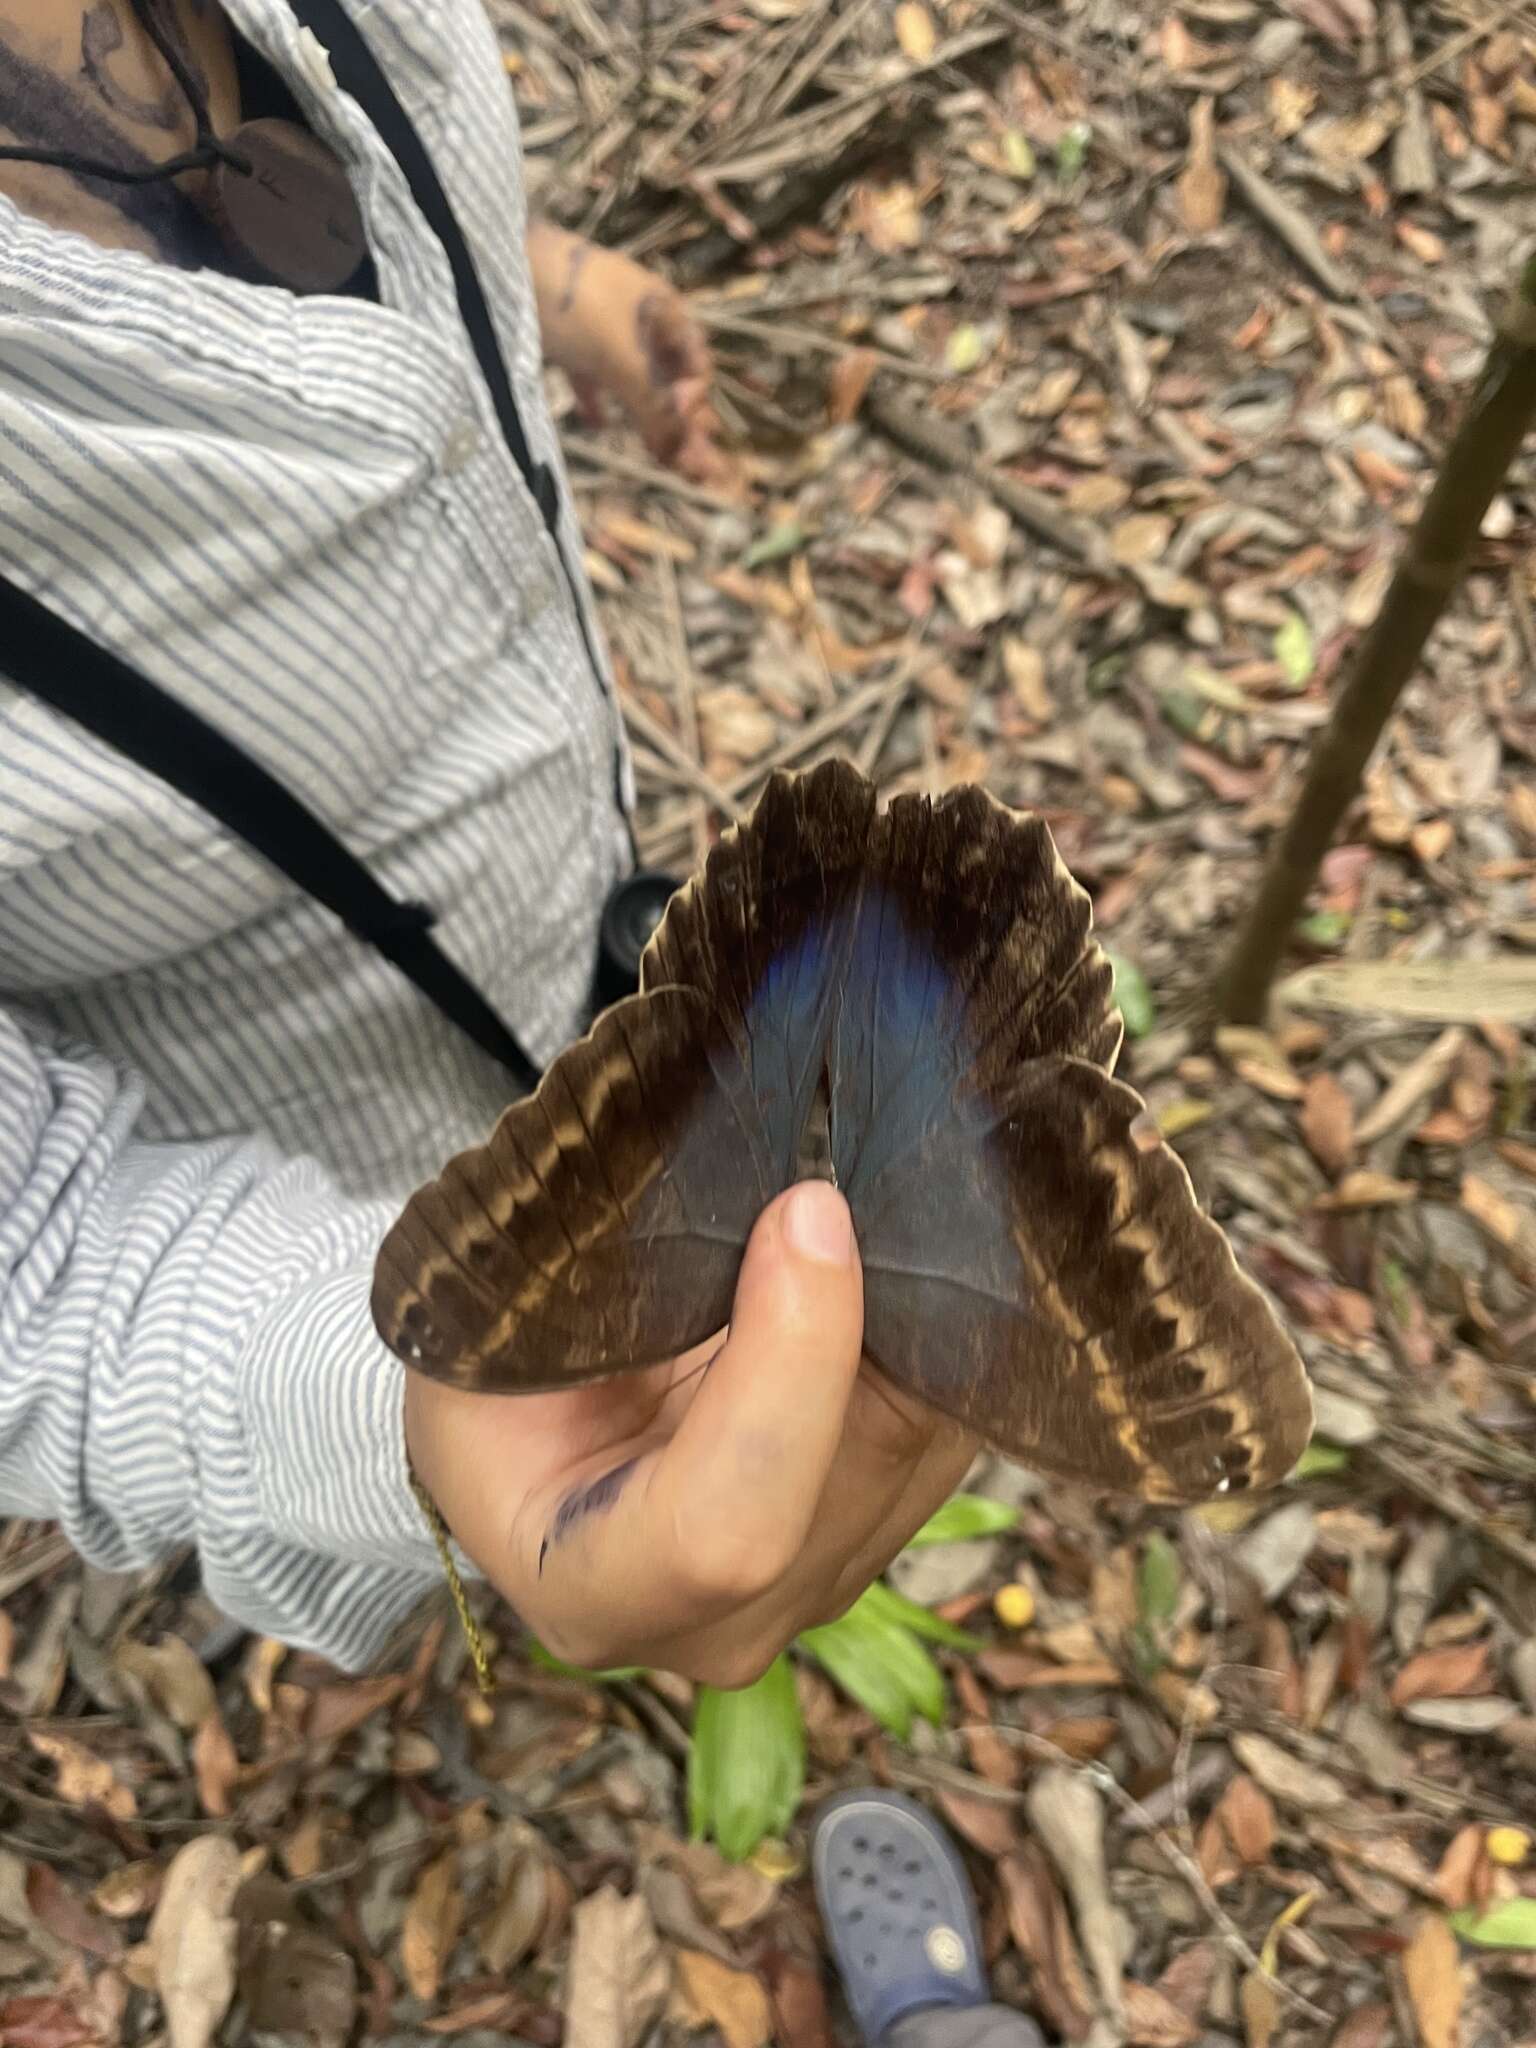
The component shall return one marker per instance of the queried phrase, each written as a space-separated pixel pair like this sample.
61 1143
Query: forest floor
1079 372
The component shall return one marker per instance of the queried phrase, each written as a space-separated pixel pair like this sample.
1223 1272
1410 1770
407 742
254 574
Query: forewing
601 1226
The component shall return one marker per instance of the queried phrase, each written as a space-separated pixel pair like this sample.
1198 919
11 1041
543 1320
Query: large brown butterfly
909 1002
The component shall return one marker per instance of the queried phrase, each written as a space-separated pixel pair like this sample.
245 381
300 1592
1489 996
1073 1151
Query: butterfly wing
1035 1262
1039 1269
601 1227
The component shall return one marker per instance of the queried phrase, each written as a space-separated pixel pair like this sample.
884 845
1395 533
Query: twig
935 442
803 740
1146 1824
38 1558
1286 221
790 340
1438 549
656 736
1468 37
642 472
1450 1504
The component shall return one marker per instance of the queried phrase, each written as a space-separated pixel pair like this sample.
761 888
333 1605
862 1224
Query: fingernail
817 1223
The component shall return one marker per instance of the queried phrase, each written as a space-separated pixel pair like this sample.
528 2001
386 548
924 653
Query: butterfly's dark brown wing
601 1226
1038 1268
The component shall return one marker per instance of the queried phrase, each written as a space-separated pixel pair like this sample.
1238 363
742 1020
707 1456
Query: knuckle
732 1567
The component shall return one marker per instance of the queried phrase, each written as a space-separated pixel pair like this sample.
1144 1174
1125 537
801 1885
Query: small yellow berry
1508 1846
1014 1606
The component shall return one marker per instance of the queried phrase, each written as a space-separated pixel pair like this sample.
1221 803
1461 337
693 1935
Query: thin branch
1476 463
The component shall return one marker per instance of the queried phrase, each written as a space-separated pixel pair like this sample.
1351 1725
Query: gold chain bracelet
478 1654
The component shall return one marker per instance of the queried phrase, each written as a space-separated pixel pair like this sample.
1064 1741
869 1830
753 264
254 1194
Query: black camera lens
630 916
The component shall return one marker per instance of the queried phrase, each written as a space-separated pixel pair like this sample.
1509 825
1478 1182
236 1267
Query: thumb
748 1464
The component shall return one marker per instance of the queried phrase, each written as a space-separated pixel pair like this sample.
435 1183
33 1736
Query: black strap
359 72
97 689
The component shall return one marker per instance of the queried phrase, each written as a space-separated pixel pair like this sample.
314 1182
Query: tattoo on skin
101 37
573 272
39 109
595 1498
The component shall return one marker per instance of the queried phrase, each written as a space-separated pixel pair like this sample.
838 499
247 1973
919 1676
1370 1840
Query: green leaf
1131 995
1294 650
1158 1578
1510 1924
1319 1459
964 350
963 1516
1019 153
881 1665
746 1767
1187 712
539 1655
1325 927
886 1604
787 538
1072 149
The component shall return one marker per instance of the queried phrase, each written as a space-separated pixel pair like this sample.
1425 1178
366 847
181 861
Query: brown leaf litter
1076 378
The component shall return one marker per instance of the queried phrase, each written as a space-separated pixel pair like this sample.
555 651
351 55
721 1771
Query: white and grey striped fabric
299 515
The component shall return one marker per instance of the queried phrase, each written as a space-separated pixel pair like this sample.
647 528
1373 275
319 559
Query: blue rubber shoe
898 1909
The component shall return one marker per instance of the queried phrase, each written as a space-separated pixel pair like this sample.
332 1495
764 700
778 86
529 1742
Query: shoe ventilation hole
886 1852
895 1895
846 1873
871 1960
856 1916
912 1867
871 1883
930 1905
861 1843
885 1930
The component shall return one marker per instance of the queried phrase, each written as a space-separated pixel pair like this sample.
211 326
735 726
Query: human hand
620 332
697 1516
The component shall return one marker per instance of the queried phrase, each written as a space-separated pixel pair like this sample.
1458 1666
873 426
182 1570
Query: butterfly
909 1002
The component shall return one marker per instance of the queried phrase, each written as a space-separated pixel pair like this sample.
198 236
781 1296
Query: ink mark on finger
595 1498
573 270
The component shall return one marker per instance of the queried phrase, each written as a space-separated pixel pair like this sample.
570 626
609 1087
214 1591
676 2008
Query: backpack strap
66 670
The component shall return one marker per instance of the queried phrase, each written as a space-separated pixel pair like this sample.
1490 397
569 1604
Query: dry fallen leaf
58 1908
732 2000
514 1924
192 1939
1458 1668
847 382
1432 1974
1368 2026
1152 2020
85 1779
431 1925
1260 2003
216 1764
1286 1777
915 32
1456 1876
1202 183
173 1675
1328 1123
1141 538
1042 1933
618 1978
1248 1816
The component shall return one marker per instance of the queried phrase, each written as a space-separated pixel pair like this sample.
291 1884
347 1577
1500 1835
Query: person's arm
186 1355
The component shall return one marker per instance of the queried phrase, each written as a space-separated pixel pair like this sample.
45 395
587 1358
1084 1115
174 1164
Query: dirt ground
1079 371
